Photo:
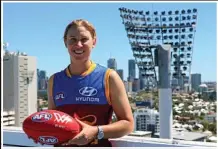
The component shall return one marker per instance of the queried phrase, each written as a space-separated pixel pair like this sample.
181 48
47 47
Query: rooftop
185 135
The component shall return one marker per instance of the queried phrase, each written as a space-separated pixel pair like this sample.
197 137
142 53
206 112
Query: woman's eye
71 40
84 39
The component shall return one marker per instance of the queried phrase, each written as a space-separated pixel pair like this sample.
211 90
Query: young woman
89 92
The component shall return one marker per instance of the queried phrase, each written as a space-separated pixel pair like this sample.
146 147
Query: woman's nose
79 44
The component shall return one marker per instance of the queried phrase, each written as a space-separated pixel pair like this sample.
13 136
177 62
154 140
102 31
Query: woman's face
79 43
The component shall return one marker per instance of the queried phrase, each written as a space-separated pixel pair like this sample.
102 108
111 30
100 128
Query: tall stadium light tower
139 40
147 30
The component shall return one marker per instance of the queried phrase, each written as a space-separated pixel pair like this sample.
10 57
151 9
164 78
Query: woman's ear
94 42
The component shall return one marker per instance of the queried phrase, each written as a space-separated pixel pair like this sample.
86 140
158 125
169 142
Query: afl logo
59 96
41 117
48 140
88 91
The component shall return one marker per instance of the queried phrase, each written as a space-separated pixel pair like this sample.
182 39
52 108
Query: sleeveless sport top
84 96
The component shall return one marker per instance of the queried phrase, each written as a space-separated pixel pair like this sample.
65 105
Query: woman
89 92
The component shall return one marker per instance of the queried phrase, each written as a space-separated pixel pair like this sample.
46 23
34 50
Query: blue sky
37 29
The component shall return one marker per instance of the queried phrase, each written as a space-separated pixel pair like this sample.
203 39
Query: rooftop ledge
14 136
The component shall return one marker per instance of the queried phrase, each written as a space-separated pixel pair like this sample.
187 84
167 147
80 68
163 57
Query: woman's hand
87 134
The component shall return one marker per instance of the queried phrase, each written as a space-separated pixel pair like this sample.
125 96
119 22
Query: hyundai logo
88 91
48 140
41 117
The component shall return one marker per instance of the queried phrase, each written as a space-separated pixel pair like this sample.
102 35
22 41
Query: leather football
50 127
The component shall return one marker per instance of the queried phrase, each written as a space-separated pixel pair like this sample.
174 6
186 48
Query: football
50 127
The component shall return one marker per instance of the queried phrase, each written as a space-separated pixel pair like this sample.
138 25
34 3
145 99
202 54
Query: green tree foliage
212 128
205 124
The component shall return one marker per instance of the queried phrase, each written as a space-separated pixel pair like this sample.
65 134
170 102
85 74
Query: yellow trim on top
107 86
87 72
91 68
68 72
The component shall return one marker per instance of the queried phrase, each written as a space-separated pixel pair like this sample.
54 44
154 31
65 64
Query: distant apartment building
120 73
42 80
211 118
111 63
43 84
146 120
142 80
211 85
195 81
136 85
129 86
19 86
174 83
202 88
126 85
8 118
132 70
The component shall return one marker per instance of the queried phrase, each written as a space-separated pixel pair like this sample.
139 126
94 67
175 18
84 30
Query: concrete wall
32 86
8 84
16 137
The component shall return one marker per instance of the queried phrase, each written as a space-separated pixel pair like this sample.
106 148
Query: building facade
19 86
111 63
195 81
120 73
147 120
132 70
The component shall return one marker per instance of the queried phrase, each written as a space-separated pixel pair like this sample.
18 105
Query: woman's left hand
87 134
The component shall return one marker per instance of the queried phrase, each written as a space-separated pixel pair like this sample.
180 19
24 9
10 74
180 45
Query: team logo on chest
87 95
60 96
88 91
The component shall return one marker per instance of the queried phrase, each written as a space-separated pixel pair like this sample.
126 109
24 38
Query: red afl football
50 127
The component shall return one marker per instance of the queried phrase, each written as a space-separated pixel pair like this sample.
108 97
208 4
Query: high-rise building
126 85
132 70
120 73
42 74
136 85
141 80
111 63
20 86
42 79
146 120
129 87
195 81
38 79
43 84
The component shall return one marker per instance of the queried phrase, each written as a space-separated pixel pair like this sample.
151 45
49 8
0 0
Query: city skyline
41 25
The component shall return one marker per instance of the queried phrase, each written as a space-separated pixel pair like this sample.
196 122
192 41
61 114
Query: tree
174 112
133 110
212 128
199 96
131 100
212 96
155 104
202 114
205 124
201 117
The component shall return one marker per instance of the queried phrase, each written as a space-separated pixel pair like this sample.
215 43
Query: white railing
14 136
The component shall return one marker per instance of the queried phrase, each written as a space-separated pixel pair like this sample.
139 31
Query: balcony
14 136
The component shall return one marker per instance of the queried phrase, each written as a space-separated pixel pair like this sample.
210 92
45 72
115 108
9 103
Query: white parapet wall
14 136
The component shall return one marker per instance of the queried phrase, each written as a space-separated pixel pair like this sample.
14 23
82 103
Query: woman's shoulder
57 74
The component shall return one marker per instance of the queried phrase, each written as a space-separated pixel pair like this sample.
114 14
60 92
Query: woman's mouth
78 51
